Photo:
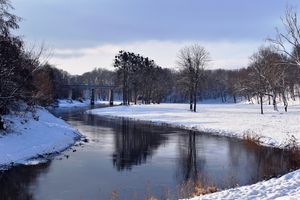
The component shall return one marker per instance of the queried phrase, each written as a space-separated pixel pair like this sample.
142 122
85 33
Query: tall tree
122 63
192 61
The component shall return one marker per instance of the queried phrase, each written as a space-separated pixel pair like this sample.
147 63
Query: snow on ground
285 187
66 103
30 135
276 129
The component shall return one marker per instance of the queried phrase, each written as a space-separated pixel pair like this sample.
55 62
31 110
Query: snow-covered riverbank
285 187
65 103
274 128
30 135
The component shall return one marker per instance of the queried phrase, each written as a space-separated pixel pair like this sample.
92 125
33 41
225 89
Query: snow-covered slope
30 135
285 187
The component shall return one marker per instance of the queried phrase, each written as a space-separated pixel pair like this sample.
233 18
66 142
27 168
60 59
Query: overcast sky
83 34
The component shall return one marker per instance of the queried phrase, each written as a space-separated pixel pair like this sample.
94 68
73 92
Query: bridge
92 90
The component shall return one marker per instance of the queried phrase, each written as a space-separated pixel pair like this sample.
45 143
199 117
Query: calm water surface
134 160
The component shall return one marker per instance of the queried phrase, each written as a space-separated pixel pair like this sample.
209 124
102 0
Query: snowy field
30 135
236 120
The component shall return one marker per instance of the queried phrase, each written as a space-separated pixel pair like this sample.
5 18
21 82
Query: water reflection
189 164
134 143
15 183
226 162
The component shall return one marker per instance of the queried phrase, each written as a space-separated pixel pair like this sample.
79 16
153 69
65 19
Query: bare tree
287 41
192 61
268 69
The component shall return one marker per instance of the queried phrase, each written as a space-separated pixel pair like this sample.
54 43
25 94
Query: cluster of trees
140 78
274 70
273 73
56 82
18 68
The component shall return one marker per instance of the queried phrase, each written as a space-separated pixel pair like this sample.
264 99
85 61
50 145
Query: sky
80 35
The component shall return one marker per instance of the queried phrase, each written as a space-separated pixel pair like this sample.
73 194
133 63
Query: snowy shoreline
32 136
66 103
234 120
275 129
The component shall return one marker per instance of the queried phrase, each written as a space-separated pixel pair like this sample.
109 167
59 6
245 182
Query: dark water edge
133 160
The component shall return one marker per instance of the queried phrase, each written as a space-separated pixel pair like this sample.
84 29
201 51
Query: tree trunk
195 102
292 92
248 97
234 98
1 123
124 96
261 104
124 88
195 99
135 97
274 101
128 97
285 102
191 100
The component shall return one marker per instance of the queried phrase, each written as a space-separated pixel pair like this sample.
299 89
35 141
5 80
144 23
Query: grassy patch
191 189
251 139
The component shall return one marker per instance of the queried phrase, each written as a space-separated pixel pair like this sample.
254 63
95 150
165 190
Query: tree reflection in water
134 143
188 163
243 163
15 182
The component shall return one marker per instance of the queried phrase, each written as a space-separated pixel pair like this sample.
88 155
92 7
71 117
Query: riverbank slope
33 134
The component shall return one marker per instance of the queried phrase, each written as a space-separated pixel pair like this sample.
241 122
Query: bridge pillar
111 97
70 93
93 97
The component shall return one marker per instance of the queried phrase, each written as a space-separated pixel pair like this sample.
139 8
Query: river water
123 159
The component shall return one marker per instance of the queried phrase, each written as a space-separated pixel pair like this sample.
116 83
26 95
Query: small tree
192 60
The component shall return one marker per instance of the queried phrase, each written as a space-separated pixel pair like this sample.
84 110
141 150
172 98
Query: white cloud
224 54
